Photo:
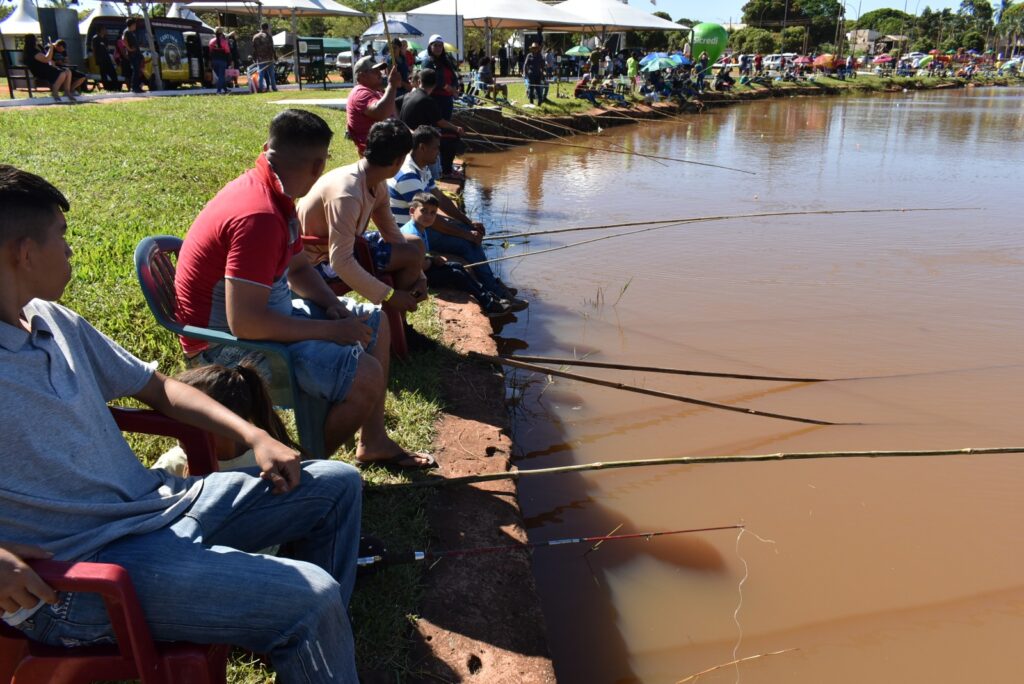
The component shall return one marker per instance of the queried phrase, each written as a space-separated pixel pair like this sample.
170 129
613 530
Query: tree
4 11
973 40
792 39
750 39
874 19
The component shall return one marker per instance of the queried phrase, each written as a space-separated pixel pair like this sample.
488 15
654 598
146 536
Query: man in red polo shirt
241 265
370 101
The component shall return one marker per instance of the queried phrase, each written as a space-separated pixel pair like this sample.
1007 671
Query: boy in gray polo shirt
73 489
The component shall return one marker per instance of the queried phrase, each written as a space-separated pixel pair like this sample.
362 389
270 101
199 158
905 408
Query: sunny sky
721 11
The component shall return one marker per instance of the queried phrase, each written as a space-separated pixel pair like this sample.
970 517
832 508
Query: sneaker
509 291
493 306
516 304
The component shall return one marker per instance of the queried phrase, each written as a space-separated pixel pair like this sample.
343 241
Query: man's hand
477 226
475 236
395 78
352 330
459 131
402 300
20 586
279 463
336 311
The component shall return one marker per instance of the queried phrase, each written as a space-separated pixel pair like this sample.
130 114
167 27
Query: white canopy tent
505 14
104 9
283 8
21 22
612 15
180 11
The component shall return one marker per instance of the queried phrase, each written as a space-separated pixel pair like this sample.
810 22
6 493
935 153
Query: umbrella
651 57
413 45
935 52
883 59
824 60
679 59
578 51
803 60
660 63
925 61
394 27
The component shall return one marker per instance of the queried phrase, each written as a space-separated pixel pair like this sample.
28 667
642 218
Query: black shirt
419 109
99 49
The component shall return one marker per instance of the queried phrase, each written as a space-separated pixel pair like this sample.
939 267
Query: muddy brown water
872 570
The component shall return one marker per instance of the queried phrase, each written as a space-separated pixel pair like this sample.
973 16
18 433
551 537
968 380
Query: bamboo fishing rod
656 369
524 120
387 36
605 149
386 557
438 481
700 219
649 392
681 222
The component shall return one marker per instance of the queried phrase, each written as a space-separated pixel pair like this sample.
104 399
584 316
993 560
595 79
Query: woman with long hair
39 65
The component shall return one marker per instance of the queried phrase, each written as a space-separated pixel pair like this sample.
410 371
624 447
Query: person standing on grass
241 268
632 70
104 64
533 71
266 58
73 490
132 48
372 100
220 54
445 89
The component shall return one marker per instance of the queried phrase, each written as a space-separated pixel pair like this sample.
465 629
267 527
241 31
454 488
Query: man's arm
448 206
279 464
250 318
20 586
385 106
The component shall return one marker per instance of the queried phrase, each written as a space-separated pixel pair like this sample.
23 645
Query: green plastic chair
155 270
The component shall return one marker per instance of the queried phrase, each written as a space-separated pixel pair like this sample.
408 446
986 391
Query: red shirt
359 124
249 232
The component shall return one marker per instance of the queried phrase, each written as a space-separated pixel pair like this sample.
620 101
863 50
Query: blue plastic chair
156 271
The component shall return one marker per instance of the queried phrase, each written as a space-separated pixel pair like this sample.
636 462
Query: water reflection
878 566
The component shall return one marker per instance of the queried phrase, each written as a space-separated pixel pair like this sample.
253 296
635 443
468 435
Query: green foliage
751 40
882 20
792 38
4 11
973 40
922 45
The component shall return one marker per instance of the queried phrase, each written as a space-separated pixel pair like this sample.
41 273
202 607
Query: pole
295 49
157 79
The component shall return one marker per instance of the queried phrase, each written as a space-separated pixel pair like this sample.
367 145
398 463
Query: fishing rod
524 120
438 481
655 369
605 149
681 222
700 219
649 392
386 557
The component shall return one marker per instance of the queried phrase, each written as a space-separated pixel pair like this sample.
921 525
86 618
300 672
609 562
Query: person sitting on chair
372 100
40 65
74 491
60 60
486 77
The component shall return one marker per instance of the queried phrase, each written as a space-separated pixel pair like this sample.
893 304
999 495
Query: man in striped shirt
452 233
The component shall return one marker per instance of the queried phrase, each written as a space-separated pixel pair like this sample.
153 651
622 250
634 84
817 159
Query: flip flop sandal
394 463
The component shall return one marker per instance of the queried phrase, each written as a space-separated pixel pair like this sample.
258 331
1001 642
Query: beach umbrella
925 61
935 52
578 51
651 57
680 60
803 60
413 45
883 59
660 63
394 27
824 61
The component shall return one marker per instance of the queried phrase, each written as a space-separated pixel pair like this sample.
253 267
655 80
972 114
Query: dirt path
480 618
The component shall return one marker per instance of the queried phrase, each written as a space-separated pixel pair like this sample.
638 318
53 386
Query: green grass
147 168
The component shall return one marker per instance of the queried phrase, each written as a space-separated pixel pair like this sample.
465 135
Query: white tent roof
179 11
280 8
506 14
104 9
612 15
22 21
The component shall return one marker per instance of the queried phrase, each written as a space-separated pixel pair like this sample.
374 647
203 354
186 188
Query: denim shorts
323 369
380 249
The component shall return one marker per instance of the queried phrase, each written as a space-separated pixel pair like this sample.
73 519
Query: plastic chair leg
310 416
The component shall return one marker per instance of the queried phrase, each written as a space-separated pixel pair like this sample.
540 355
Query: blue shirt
411 228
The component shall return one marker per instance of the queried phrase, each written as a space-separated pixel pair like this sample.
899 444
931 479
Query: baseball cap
366 64
436 38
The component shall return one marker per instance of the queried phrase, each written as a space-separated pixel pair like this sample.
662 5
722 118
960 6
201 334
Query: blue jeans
449 244
268 77
200 579
220 66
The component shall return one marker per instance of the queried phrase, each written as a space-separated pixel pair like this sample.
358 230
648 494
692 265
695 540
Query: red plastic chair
136 655
396 319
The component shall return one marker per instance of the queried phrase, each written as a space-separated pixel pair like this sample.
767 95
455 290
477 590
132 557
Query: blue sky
721 10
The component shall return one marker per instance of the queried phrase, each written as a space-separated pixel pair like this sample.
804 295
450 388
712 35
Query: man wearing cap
372 100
